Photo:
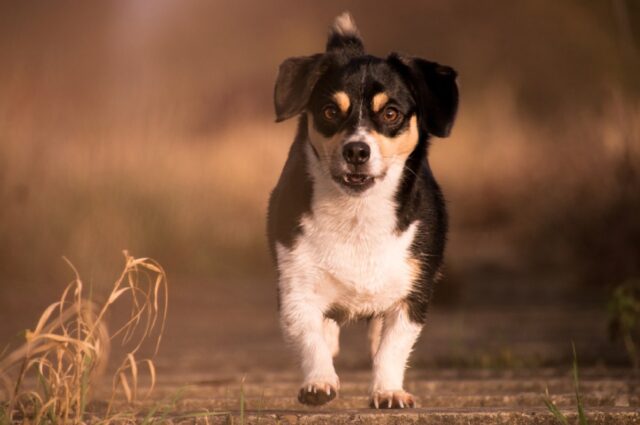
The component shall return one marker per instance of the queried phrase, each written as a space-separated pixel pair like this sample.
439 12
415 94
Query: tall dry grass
50 378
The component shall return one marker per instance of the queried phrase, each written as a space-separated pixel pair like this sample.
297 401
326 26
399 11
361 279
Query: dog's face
365 114
362 120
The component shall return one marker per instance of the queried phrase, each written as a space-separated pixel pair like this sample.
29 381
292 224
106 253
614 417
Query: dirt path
483 362
444 396
476 365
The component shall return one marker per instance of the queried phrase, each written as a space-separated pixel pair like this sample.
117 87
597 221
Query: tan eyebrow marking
342 100
379 100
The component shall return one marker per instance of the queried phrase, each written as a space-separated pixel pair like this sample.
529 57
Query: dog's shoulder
291 197
425 205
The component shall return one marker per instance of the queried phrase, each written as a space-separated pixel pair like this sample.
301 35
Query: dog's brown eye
330 112
390 115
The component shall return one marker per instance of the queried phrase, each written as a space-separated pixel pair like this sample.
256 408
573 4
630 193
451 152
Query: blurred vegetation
149 126
555 411
624 313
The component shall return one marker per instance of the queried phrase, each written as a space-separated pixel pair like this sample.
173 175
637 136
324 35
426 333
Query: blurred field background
148 125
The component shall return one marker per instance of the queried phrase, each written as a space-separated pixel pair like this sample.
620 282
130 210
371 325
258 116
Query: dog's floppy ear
296 78
435 90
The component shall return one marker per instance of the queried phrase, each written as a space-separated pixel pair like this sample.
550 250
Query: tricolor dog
357 222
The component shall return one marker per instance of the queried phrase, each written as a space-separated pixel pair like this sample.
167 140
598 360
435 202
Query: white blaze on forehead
378 101
342 100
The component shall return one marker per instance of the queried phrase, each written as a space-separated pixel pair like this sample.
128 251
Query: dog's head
365 114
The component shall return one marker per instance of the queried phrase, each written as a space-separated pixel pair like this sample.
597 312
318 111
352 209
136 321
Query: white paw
317 393
392 400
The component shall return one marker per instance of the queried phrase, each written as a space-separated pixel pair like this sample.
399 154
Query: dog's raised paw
392 400
317 394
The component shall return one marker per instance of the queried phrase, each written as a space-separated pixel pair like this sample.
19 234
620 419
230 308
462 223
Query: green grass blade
148 419
582 418
4 417
84 384
562 419
163 408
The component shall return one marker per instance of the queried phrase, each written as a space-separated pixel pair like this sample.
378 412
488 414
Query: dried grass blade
152 374
125 386
45 318
134 374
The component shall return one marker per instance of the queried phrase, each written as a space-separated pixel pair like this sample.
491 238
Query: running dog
357 223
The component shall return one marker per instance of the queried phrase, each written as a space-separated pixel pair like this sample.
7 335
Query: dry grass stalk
49 377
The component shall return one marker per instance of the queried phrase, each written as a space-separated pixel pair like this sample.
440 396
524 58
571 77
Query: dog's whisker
410 170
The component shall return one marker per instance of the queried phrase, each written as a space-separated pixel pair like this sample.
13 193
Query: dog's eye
390 115
330 112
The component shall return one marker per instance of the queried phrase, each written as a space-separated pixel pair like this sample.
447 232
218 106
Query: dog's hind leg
332 336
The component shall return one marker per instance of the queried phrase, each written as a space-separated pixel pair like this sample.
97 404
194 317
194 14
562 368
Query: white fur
345 25
332 336
397 339
349 254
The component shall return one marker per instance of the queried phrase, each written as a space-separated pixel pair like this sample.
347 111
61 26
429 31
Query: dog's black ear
296 79
435 90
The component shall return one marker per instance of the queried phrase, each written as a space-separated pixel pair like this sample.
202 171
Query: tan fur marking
379 100
414 265
401 145
342 100
325 147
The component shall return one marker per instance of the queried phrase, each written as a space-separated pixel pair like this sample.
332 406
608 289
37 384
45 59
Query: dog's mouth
357 182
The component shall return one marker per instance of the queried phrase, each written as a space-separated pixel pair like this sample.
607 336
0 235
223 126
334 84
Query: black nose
356 153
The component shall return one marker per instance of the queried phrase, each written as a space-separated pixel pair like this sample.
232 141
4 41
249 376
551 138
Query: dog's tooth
389 402
314 389
375 402
329 390
401 404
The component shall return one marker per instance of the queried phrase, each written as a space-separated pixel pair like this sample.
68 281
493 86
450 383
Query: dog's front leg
399 334
303 325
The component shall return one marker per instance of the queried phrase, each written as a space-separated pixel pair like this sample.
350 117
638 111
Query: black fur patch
337 313
349 45
361 78
291 198
342 316
422 201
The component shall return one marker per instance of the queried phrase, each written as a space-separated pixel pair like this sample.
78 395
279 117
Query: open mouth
355 181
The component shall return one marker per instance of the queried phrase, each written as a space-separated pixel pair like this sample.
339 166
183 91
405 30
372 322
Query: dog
357 223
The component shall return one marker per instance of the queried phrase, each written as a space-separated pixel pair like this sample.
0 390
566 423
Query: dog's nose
356 153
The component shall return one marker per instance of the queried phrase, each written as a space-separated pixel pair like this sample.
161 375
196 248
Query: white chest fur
350 252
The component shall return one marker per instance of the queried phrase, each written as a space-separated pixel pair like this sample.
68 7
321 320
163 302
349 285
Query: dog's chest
365 264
